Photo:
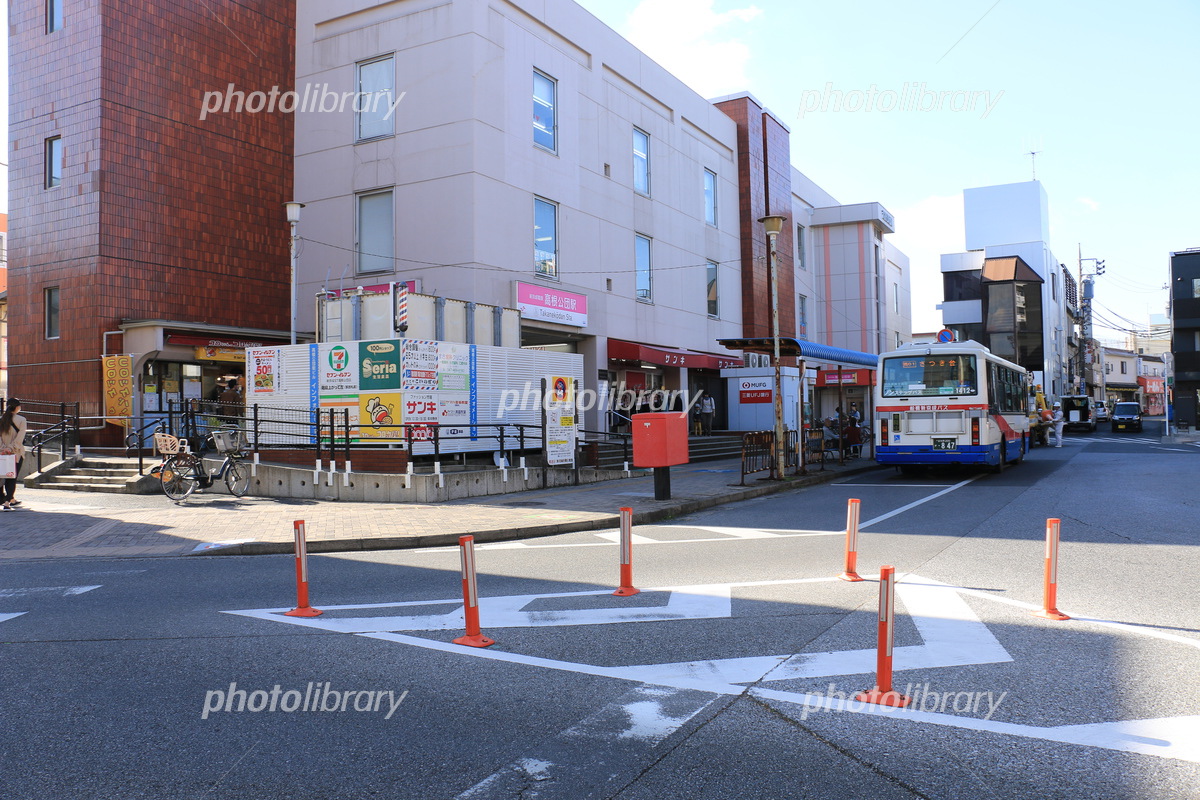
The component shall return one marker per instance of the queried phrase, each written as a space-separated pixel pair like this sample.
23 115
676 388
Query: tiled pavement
61 524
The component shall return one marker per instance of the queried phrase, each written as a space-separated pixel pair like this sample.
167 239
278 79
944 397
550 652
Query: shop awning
809 351
621 350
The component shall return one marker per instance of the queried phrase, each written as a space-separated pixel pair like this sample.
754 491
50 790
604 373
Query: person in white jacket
1058 421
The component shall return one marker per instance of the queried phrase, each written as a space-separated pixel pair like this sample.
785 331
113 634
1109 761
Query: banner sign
118 388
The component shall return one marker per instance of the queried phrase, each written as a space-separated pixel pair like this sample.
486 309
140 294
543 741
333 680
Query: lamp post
293 218
774 224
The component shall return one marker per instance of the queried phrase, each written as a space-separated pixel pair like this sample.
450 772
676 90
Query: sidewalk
61 524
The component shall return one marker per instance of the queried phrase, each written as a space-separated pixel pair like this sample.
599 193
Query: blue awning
809 351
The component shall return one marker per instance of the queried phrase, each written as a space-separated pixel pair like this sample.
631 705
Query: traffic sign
945 335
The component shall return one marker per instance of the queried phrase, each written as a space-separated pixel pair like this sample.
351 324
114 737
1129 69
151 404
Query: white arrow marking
8 616
615 537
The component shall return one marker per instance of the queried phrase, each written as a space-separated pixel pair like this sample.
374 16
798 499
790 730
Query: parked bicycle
183 471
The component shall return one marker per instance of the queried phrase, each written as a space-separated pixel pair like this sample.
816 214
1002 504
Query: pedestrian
12 442
231 401
854 414
708 410
853 436
1058 421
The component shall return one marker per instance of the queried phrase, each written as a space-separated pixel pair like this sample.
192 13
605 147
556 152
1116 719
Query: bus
950 403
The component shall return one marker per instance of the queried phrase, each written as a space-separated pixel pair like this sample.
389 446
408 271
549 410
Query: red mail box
660 439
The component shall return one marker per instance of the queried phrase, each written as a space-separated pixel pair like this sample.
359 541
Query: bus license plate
945 444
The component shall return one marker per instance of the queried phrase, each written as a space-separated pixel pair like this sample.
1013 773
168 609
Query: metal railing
758 454
49 424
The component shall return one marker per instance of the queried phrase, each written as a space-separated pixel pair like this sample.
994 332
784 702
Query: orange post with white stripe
883 694
466 546
302 609
851 573
1050 589
627 589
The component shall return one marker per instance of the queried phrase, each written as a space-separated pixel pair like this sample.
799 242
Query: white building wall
465 169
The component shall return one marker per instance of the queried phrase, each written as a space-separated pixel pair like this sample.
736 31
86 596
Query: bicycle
183 471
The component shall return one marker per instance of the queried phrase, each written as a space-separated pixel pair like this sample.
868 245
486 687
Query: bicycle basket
228 441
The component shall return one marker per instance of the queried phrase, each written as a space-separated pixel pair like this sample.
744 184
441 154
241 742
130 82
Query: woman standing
12 440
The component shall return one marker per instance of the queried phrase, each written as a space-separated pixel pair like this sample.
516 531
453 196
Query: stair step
99 488
105 472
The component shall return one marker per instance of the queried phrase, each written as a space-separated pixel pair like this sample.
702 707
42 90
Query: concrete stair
110 474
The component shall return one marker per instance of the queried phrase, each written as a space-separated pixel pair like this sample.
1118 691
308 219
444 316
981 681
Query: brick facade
159 215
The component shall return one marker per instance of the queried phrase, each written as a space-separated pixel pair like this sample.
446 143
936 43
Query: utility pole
1086 291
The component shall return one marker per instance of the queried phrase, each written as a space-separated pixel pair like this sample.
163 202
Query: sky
1105 93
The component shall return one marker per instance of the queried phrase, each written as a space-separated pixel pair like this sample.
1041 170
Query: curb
536 531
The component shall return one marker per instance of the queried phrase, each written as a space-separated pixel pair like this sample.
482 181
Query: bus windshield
925 376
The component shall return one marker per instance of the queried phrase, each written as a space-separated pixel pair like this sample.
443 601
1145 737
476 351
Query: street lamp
293 218
774 224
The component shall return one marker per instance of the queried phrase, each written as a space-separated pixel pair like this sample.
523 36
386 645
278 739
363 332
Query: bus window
927 376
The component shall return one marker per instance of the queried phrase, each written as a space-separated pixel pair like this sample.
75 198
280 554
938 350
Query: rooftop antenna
1033 154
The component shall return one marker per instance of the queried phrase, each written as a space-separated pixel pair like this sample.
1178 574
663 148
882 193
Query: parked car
1127 416
1101 412
1078 412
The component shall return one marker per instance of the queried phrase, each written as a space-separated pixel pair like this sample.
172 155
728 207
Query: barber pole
627 589
883 694
1050 588
302 609
850 573
474 638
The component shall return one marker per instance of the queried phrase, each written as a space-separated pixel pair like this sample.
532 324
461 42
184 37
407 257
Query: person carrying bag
12 451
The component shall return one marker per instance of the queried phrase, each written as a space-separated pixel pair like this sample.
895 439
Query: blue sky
1106 91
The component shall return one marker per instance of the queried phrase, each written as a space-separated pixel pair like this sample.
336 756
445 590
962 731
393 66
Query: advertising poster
118 388
376 412
378 366
340 403
262 365
560 421
454 367
420 363
337 367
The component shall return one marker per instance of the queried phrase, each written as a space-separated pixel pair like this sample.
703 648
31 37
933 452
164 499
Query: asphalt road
732 674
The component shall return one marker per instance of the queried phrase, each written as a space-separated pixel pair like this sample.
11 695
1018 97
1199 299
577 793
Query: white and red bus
950 403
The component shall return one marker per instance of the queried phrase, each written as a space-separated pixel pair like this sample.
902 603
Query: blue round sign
945 335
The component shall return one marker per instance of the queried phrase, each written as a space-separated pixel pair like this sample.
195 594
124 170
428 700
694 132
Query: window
1123 368
801 317
545 101
642 267
1195 287
54 15
376 232
710 197
899 340
800 262
714 309
1054 286
54 161
928 376
545 238
641 161
962 285
373 108
50 304
896 297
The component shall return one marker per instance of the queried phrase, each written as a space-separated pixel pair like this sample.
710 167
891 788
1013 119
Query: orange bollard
883 694
302 609
1050 590
627 588
473 638
850 573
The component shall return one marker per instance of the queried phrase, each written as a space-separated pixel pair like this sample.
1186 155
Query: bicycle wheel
178 477
237 478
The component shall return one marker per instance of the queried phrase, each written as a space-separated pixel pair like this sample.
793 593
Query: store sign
118 388
220 354
755 390
848 377
379 365
551 305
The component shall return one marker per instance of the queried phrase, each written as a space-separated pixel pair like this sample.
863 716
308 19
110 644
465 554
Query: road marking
565 766
728 535
951 632
11 615
42 591
916 503
614 537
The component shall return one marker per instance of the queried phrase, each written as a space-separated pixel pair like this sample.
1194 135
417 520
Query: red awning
669 357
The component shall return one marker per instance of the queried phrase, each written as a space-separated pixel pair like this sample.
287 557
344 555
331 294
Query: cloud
924 231
1090 203
693 40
